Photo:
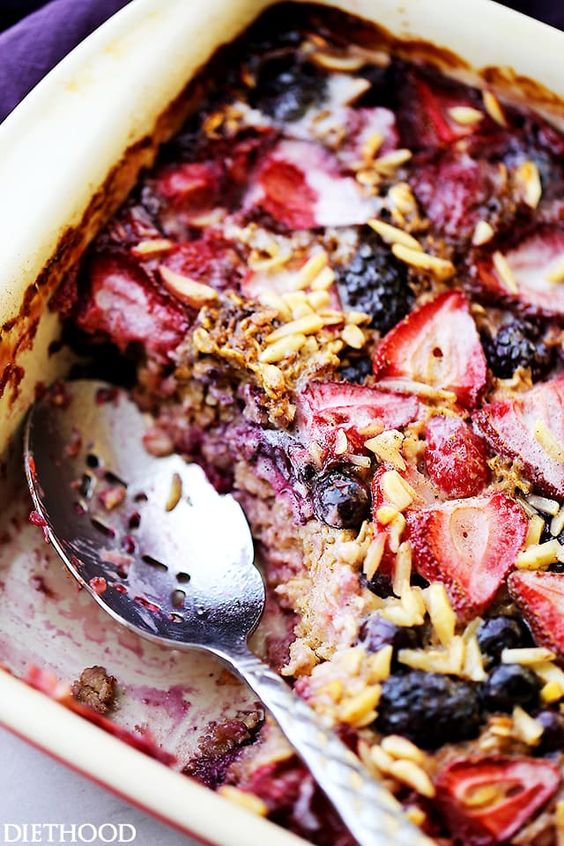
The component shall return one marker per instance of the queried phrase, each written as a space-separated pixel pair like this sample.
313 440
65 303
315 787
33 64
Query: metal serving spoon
172 560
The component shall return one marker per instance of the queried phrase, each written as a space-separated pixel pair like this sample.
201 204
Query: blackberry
356 369
286 88
510 685
375 282
376 632
428 708
380 584
340 500
500 633
552 739
517 344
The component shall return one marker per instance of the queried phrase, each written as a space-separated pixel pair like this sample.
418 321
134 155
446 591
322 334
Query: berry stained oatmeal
341 291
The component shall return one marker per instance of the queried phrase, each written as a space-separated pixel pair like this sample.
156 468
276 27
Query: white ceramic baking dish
68 156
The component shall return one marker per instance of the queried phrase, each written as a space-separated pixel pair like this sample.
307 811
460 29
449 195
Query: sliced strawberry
424 116
124 305
210 260
324 407
299 184
520 787
530 429
540 597
194 185
455 457
456 191
532 261
437 344
469 544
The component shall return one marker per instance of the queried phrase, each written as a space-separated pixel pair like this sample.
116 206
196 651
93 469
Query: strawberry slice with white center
486 800
437 344
540 597
300 185
455 457
530 430
124 305
324 407
428 116
529 274
468 544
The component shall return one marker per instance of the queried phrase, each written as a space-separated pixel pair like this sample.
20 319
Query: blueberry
517 344
500 633
376 632
356 369
375 282
552 739
286 87
428 708
340 500
510 685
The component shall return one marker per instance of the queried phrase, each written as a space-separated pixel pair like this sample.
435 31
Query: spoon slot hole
140 497
183 578
177 598
114 479
92 461
154 562
103 527
86 485
134 521
176 618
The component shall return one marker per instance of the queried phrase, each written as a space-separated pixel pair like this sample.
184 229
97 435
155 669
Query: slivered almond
402 198
175 492
411 774
353 336
341 442
186 289
465 115
557 523
374 555
401 748
280 349
547 441
527 656
151 247
504 272
473 667
402 570
307 325
313 266
393 234
527 178
493 108
387 446
248 801
342 62
441 268
443 618
538 556
397 491
542 503
323 280
551 692
534 532
389 162
556 273
379 664
525 727
371 146
483 232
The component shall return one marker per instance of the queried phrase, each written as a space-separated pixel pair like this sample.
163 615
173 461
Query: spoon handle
369 811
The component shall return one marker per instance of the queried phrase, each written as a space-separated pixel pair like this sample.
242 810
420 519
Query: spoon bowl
167 556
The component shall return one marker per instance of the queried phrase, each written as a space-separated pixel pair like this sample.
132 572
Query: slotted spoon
171 559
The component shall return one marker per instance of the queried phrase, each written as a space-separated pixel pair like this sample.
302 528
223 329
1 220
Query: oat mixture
341 290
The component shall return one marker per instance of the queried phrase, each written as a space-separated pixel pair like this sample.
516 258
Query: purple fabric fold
30 48
37 43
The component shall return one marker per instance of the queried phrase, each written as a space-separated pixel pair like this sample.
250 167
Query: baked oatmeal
340 290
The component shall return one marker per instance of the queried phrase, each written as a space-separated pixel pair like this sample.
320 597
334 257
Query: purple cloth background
37 34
